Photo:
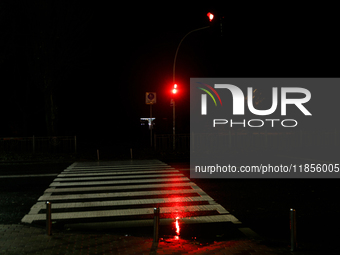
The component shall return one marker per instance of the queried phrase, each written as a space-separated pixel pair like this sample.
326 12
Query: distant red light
210 16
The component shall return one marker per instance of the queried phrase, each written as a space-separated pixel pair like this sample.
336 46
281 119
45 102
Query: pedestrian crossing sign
150 97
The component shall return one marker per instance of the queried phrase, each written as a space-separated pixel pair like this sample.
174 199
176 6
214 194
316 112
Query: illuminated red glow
177 226
174 91
210 16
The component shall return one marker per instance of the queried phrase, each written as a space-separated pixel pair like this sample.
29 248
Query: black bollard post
48 219
156 224
293 242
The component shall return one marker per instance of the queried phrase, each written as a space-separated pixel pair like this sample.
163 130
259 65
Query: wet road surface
262 205
123 194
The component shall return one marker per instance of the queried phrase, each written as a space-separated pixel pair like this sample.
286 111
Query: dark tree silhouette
54 37
57 45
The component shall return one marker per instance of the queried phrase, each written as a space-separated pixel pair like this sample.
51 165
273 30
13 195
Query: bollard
98 154
293 243
155 224
131 152
48 219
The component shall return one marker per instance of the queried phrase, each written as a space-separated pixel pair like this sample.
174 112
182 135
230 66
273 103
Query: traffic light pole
173 126
173 70
173 73
151 125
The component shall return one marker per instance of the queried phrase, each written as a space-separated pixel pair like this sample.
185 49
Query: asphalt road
264 204
261 204
23 185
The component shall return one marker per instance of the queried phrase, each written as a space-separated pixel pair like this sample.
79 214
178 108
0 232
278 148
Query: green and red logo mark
204 97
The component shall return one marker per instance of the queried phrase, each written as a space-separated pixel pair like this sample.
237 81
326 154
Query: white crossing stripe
42 205
115 177
63 174
124 212
120 194
95 190
117 182
121 187
119 167
116 169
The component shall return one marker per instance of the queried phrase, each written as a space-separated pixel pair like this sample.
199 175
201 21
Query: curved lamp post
173 78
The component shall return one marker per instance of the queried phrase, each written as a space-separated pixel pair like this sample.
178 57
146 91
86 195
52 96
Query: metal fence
274 140
55 144
165 142
232 139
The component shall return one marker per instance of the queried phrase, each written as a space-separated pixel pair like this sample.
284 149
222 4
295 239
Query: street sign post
150 99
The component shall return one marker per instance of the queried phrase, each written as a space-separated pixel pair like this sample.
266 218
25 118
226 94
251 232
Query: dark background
103 58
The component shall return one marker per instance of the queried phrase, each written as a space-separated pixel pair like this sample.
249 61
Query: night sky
102 59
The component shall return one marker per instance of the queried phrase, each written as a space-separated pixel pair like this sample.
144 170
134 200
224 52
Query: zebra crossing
124 193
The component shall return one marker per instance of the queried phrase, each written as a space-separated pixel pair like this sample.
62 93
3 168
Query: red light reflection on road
177 214
177 226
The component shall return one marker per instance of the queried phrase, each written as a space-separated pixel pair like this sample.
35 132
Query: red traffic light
210 16
174 91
